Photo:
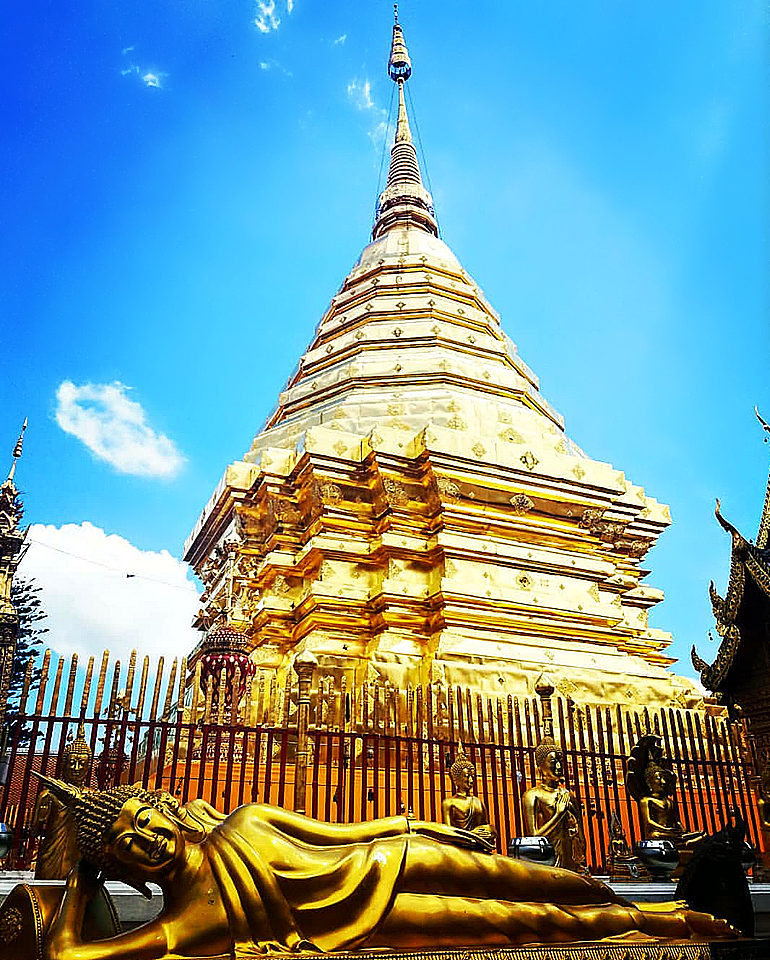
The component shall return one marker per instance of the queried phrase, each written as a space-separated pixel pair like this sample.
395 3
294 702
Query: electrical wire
413 112
385 140
106 566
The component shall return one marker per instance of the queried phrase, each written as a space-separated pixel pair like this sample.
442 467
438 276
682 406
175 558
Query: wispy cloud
340 39
274 65
360 95
148 76
266 19
114 428
100 591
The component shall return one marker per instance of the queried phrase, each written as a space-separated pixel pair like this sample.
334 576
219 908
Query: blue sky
186 184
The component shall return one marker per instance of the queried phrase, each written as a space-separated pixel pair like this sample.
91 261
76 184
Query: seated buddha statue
623 864
551 811
464 809
268 880
660 820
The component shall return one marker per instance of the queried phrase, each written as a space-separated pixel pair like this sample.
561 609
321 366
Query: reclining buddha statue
267 880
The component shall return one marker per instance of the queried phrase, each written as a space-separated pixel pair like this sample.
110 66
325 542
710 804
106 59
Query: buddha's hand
84 880
453 835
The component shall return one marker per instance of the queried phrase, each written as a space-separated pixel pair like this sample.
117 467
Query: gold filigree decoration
593 591
281 585
566 688
340 448
578 471
638 547
479 449
511 436
524 581
394 409
330 492
529 460
395 491
593 521
521 503
448 488
456 423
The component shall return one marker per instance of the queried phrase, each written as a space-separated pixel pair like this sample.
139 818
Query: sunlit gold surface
276 881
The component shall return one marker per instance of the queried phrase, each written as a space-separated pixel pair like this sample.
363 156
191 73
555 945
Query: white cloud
266 18
360 94
289 5
115 429
274 65
101 592
340 39
150 78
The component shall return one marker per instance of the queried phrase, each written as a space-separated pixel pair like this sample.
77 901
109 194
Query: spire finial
404 201
17 450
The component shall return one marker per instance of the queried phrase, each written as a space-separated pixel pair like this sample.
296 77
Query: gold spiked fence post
544 688
304 666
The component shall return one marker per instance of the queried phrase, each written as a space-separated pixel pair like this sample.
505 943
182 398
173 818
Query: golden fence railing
365 753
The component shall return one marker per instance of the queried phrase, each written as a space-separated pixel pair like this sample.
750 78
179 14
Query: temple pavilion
740 673
413 509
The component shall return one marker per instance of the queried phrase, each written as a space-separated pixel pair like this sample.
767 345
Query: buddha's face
75 768
552 768
465 779
144 839
656 781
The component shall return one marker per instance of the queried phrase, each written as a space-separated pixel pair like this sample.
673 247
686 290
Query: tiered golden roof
413 508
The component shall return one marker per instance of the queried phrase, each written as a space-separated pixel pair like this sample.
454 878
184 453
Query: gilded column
304 666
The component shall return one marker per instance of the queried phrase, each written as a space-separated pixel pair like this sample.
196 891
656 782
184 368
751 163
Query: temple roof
749 565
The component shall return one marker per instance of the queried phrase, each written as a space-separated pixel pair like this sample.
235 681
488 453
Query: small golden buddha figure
264 880
57 851
464 809
551 811
623 864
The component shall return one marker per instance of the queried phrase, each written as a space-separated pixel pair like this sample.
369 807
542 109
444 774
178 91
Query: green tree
25 596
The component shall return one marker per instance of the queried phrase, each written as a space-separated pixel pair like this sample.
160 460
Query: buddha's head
76 760
658 780
126 832
550 761
463 773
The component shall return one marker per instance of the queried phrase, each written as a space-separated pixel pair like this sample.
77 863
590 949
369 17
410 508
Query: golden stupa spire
404 201
17 452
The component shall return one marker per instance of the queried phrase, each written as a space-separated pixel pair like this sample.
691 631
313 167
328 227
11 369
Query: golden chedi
268 880
413 509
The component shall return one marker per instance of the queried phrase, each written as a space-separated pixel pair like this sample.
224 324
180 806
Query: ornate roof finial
765 424
404 201
17 450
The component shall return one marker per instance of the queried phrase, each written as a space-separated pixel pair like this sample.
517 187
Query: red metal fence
374 753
